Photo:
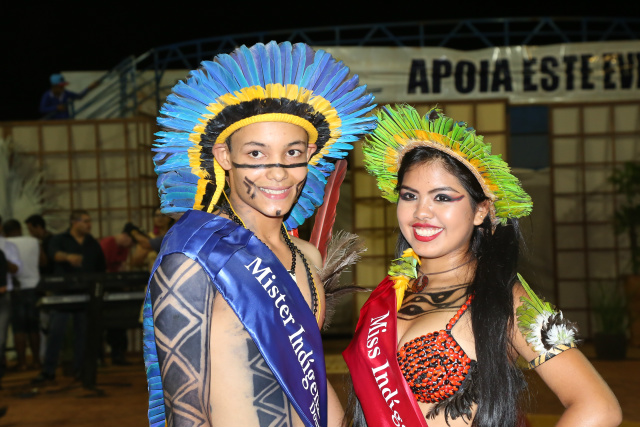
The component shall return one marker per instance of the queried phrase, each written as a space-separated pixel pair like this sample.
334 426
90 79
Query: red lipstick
425 238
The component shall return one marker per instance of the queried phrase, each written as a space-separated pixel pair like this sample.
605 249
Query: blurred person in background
74 251
56 102
13 265
116 252
149 244
25 316
3 284
37 227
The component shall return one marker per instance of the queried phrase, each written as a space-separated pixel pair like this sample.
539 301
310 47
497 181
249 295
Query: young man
234 304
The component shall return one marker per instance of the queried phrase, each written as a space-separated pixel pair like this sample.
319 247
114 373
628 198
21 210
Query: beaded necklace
228 209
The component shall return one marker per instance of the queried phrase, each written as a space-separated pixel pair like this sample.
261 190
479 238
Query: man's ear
311 150
481 212
222 155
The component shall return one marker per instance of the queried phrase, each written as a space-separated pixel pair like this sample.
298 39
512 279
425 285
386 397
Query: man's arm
182 296
56 252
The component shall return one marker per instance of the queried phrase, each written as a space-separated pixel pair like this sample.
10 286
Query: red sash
385 396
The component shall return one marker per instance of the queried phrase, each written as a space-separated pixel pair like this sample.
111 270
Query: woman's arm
587 399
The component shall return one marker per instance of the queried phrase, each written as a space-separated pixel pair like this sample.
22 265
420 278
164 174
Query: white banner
575 72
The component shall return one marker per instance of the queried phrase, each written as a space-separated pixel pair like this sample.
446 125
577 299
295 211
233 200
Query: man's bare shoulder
310 252
176 261
178 268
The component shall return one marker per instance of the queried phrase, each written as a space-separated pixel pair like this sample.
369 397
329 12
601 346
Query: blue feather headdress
273 82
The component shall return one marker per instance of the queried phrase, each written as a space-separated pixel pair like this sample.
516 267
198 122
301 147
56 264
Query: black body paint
446 299
183 311
271 404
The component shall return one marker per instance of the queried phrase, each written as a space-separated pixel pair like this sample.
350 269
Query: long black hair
498 379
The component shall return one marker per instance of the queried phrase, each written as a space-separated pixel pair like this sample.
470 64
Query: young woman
438 339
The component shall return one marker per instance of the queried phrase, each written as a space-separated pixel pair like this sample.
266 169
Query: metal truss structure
467 34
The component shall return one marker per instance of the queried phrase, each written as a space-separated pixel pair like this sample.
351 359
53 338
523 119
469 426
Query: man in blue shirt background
56 101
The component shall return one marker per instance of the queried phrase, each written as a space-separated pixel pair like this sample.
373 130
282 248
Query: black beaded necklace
293 248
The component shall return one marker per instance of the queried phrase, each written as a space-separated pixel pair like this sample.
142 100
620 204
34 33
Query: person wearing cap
234 305
55 102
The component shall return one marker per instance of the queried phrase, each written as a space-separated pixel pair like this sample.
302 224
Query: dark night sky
44 39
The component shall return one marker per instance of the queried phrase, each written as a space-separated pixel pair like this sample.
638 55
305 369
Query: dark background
39 39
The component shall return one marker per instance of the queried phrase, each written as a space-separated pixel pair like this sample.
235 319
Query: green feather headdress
401 129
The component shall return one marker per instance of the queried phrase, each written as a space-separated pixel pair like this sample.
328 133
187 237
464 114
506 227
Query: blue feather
334 81
224 78
245 59
328 73
299 62
314 198
261 59
176 159
163 145
181 178
343 89
189 92
287 66
306 204
176 124
313 73
175 209
182 114
344 102
177 191
157 410
210 82
291 221
171 149
187 103
177 138
273 51
155 394
236 71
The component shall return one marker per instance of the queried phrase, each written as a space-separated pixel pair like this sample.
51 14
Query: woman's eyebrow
405 187
435 190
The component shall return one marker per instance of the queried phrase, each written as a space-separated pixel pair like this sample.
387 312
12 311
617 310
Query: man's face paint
267 168
251 187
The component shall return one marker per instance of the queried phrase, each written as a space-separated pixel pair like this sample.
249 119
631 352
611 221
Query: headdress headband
274 82
402 129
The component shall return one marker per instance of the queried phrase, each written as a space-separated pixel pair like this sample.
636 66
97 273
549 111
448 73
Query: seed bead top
434 364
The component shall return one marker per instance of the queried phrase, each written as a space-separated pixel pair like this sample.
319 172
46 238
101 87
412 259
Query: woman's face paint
267 167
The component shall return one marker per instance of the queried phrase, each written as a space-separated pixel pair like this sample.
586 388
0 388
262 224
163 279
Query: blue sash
252 281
